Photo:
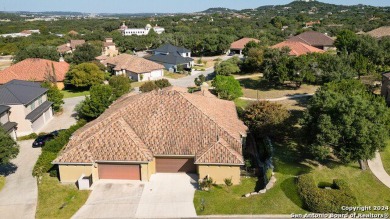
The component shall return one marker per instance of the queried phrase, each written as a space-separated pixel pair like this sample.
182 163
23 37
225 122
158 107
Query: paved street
67 118
18 198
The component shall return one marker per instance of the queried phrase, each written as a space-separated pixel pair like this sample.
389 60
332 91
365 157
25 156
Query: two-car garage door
175 165
119 171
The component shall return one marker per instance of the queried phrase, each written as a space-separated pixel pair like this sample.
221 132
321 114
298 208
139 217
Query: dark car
40 141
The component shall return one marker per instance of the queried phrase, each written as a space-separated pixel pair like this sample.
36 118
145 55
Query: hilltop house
38 70
8 126
380 32
297 48
172 56
165 131
28 104
140 31
315 39
70 46
136 68
237 46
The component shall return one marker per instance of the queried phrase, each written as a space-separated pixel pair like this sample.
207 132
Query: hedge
320 200
52 148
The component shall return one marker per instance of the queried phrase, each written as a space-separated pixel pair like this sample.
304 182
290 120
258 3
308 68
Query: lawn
242 103
137 84
256 88
173 75
73 93
290 160
385 156
56 200
2 182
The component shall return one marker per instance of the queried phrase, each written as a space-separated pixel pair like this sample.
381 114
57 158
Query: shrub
28 137
148 86
205 184
52 148
228 181
162 83
227 87
325 200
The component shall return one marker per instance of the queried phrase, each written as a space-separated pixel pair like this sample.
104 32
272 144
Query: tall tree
54 95
37 51
99 100
120 85
84 76
227 87
85 53
344 117
8 147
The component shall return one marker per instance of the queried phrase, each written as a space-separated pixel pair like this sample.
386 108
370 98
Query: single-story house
8 126
70 46
136 68
315 39
34 69
164 131
385 90
239 45
28 103
297 48
172 56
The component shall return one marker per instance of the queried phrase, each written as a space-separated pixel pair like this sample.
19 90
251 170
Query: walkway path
280 98
249 76
19 197
377 169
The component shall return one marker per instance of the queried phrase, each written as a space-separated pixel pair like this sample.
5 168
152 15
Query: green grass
137 84
290 160
173 75
58 201
72 93
2 182
385 156
242 103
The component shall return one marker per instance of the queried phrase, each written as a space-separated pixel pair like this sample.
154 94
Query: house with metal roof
28 104
172 56
8 126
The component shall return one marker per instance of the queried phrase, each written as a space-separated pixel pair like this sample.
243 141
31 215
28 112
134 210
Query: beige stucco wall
219 173
18 115
4 118
71 173
151 168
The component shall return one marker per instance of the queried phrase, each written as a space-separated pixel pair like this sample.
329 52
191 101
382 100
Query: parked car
40 141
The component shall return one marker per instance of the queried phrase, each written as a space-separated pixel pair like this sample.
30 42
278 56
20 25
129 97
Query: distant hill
218 10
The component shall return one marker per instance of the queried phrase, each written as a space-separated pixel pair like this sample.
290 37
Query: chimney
67 44
204 87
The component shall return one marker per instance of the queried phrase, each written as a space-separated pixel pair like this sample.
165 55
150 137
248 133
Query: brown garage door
119 171
174 165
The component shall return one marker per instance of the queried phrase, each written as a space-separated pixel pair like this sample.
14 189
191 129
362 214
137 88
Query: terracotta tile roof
297 48
63 48
132 63
313 38
76 43
380 32
73 44
165 122
33 69
240 44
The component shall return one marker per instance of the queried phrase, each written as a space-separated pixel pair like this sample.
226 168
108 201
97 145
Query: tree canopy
120 85
37 51
99 100
84 76
85 53
227 87
8 147
54 95
343 117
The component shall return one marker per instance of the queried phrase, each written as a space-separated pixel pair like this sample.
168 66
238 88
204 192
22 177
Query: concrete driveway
112 199
66 119
168 195
19 197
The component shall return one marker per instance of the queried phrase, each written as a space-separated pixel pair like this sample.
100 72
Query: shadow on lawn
290 189
262 85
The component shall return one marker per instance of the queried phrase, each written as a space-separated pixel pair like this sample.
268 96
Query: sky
152 6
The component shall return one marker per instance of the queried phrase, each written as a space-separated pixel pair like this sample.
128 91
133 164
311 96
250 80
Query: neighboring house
109 48
172 56
297 48
70 46
164 131
311 23
385 90
140 31
237 46
315 39
38 70
9 127
28 103
380 32
136 68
